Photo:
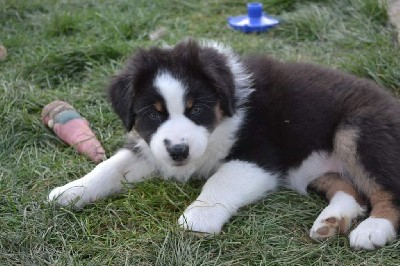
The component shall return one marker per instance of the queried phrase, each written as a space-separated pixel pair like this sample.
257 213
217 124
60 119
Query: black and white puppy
249 125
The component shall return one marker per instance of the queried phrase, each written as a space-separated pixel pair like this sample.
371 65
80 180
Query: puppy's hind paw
327 227
372 233
337 217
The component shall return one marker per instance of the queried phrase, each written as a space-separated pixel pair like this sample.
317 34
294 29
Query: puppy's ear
120 94
224 83
220 74
212 66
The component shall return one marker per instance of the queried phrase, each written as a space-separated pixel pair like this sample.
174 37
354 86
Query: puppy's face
174 98
175 117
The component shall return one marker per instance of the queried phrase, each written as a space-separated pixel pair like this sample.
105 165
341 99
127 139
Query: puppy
249 125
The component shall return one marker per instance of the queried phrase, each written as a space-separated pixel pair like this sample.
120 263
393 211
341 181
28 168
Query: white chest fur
317 164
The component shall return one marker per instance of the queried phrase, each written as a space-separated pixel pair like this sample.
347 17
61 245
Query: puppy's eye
154 115
196 110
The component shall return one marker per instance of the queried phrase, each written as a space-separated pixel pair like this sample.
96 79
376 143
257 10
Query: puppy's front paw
69 194
372 233
204 217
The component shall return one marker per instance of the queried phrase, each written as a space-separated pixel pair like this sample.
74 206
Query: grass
67 50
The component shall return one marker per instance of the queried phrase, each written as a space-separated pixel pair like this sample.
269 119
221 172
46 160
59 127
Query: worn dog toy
73 129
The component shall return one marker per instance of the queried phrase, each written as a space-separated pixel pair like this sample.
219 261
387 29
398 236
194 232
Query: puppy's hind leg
381 226
370 152
345 206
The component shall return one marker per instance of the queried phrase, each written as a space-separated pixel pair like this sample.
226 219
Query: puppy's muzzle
178 152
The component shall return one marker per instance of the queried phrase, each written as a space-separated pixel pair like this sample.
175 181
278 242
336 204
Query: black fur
120 94
298 108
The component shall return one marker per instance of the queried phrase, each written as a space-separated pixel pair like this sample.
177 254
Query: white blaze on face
177 129
173 92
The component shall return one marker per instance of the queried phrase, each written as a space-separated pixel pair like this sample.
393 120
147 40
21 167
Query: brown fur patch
189 103
383 207
218 113
331 183
381 201
345 144
344 225
159 106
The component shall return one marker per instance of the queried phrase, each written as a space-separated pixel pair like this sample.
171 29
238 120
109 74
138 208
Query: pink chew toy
73 129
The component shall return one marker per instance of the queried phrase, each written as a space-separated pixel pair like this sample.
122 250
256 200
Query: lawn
68 50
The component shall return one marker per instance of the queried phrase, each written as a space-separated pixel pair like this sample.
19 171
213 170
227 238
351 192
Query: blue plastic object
255 20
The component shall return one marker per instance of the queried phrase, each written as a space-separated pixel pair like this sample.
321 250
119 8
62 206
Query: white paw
325 227
69 194
204 217
337 217
372 233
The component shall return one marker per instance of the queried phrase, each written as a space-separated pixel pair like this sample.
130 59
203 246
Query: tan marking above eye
189 103
159 107
219 114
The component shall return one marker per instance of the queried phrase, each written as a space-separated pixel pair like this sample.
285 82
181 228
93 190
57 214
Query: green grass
67 50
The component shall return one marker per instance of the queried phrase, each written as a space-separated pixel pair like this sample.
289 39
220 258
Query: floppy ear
224 83
215 67
120 94
220 74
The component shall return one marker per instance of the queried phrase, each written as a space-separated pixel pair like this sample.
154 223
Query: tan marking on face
159 106
189 103
219 114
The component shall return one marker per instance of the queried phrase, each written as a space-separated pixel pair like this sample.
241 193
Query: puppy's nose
178 152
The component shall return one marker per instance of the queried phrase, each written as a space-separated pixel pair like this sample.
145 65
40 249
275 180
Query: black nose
178 152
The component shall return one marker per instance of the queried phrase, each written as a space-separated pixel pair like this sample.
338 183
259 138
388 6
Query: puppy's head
175 97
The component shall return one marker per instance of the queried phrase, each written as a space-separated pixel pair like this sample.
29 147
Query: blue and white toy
255 20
